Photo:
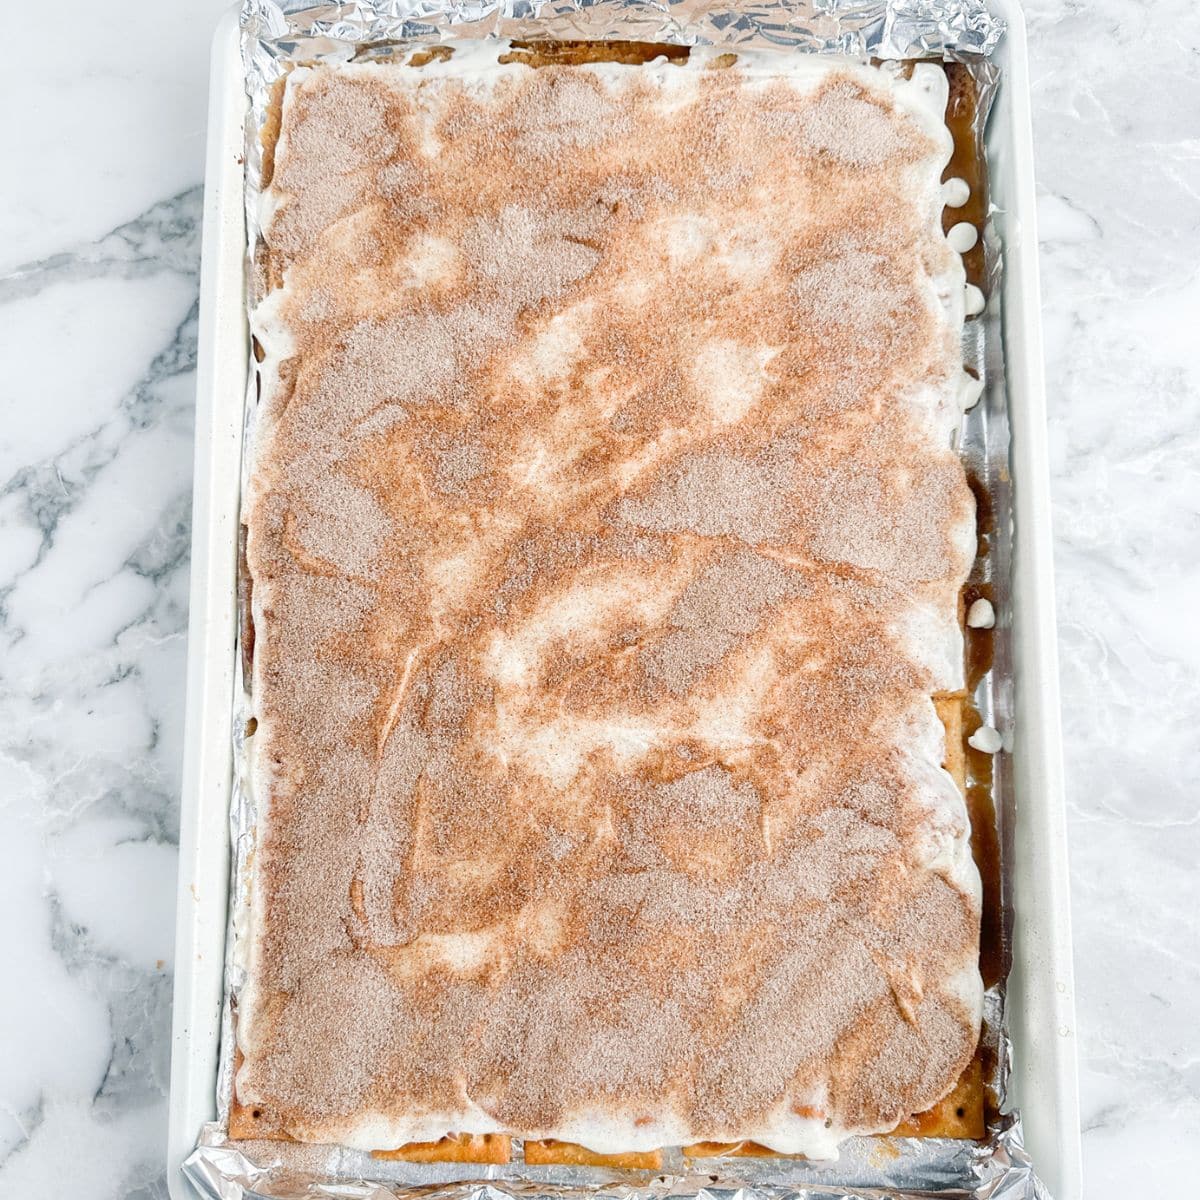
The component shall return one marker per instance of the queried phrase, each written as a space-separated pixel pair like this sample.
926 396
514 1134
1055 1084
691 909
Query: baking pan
1040 991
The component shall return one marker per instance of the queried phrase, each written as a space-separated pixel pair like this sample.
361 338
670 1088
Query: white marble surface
98 275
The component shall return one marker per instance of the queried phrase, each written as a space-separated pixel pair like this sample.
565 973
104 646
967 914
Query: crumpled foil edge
226 1172
279 33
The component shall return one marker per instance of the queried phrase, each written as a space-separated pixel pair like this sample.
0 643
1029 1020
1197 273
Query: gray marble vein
95 508
98 343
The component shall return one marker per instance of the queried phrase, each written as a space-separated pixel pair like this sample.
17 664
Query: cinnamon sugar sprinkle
602 480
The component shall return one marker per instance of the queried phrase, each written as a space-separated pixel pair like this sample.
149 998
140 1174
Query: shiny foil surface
277 34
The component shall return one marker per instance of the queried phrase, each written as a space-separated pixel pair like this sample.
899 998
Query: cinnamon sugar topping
606 542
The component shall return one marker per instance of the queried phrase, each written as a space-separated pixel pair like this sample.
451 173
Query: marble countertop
98 285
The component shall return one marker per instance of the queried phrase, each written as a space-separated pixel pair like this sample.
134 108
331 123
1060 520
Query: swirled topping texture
606 541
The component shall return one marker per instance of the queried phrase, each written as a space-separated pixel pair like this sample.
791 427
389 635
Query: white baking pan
1041 990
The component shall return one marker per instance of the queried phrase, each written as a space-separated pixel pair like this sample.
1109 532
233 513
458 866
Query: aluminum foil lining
227 1172
279 33
877 28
